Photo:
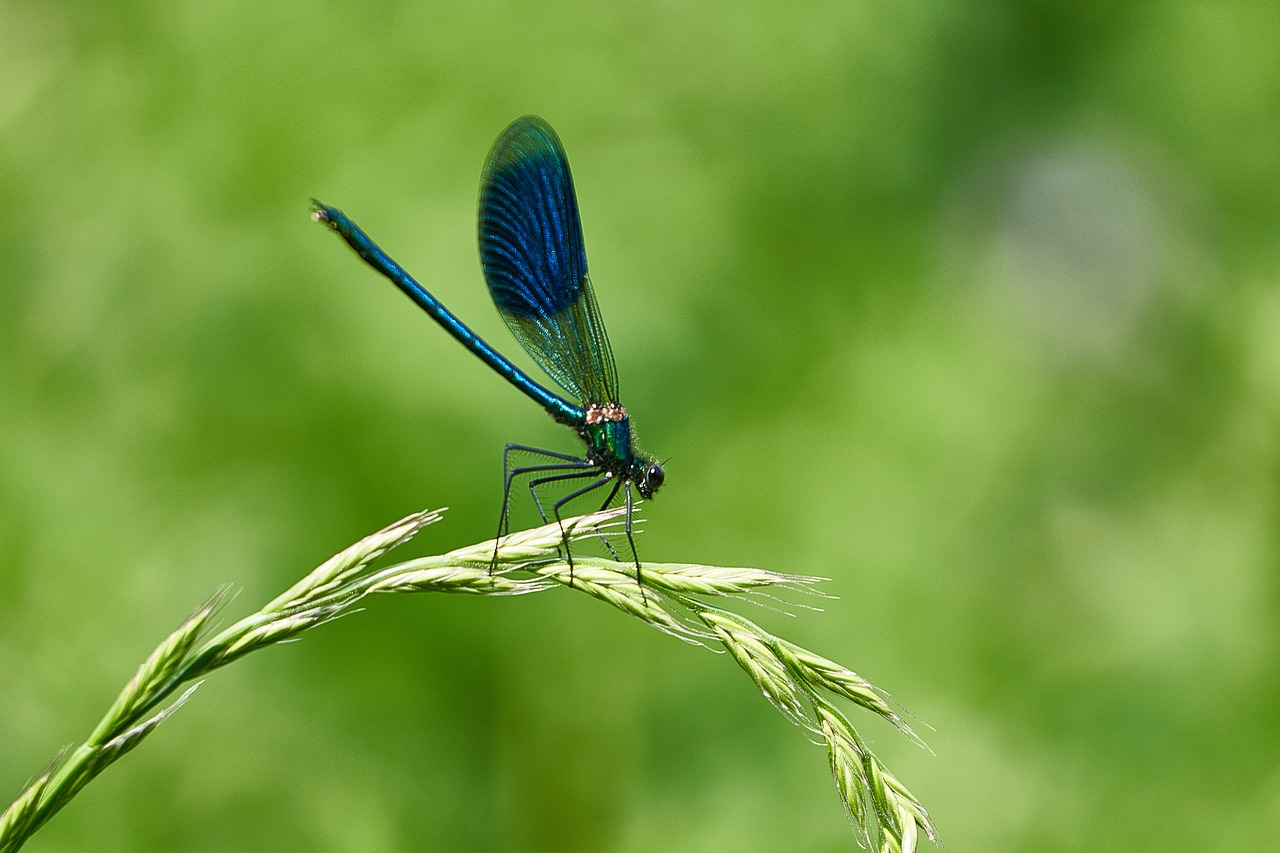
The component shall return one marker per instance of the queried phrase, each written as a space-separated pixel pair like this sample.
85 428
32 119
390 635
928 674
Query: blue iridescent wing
533 258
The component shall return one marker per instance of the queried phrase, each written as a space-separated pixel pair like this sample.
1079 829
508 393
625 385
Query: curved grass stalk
797 682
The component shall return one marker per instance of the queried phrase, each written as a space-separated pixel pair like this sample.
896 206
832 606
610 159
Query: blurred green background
970 307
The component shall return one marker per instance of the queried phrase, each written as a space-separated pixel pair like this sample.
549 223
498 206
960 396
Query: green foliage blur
973 308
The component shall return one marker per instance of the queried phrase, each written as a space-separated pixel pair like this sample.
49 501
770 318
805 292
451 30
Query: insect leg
567 463
631 541
613 493
590 487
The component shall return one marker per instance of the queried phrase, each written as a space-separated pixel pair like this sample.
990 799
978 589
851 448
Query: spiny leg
555 508
569 462
585 470
536 451
504 526
538 482
613 493
631 541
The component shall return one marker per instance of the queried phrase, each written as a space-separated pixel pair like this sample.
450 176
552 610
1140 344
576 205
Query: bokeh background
973 308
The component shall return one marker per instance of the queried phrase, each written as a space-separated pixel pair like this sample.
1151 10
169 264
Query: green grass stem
799 683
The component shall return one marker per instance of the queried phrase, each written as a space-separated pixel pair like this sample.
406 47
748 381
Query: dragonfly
534 262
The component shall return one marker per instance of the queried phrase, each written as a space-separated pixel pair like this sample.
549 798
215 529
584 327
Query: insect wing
534 262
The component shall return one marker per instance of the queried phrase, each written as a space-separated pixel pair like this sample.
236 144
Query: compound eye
654 476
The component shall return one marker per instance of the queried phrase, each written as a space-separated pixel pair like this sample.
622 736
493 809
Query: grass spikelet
794 680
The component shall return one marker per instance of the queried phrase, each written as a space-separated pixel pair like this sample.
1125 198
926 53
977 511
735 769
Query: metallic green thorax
606 430
609 440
